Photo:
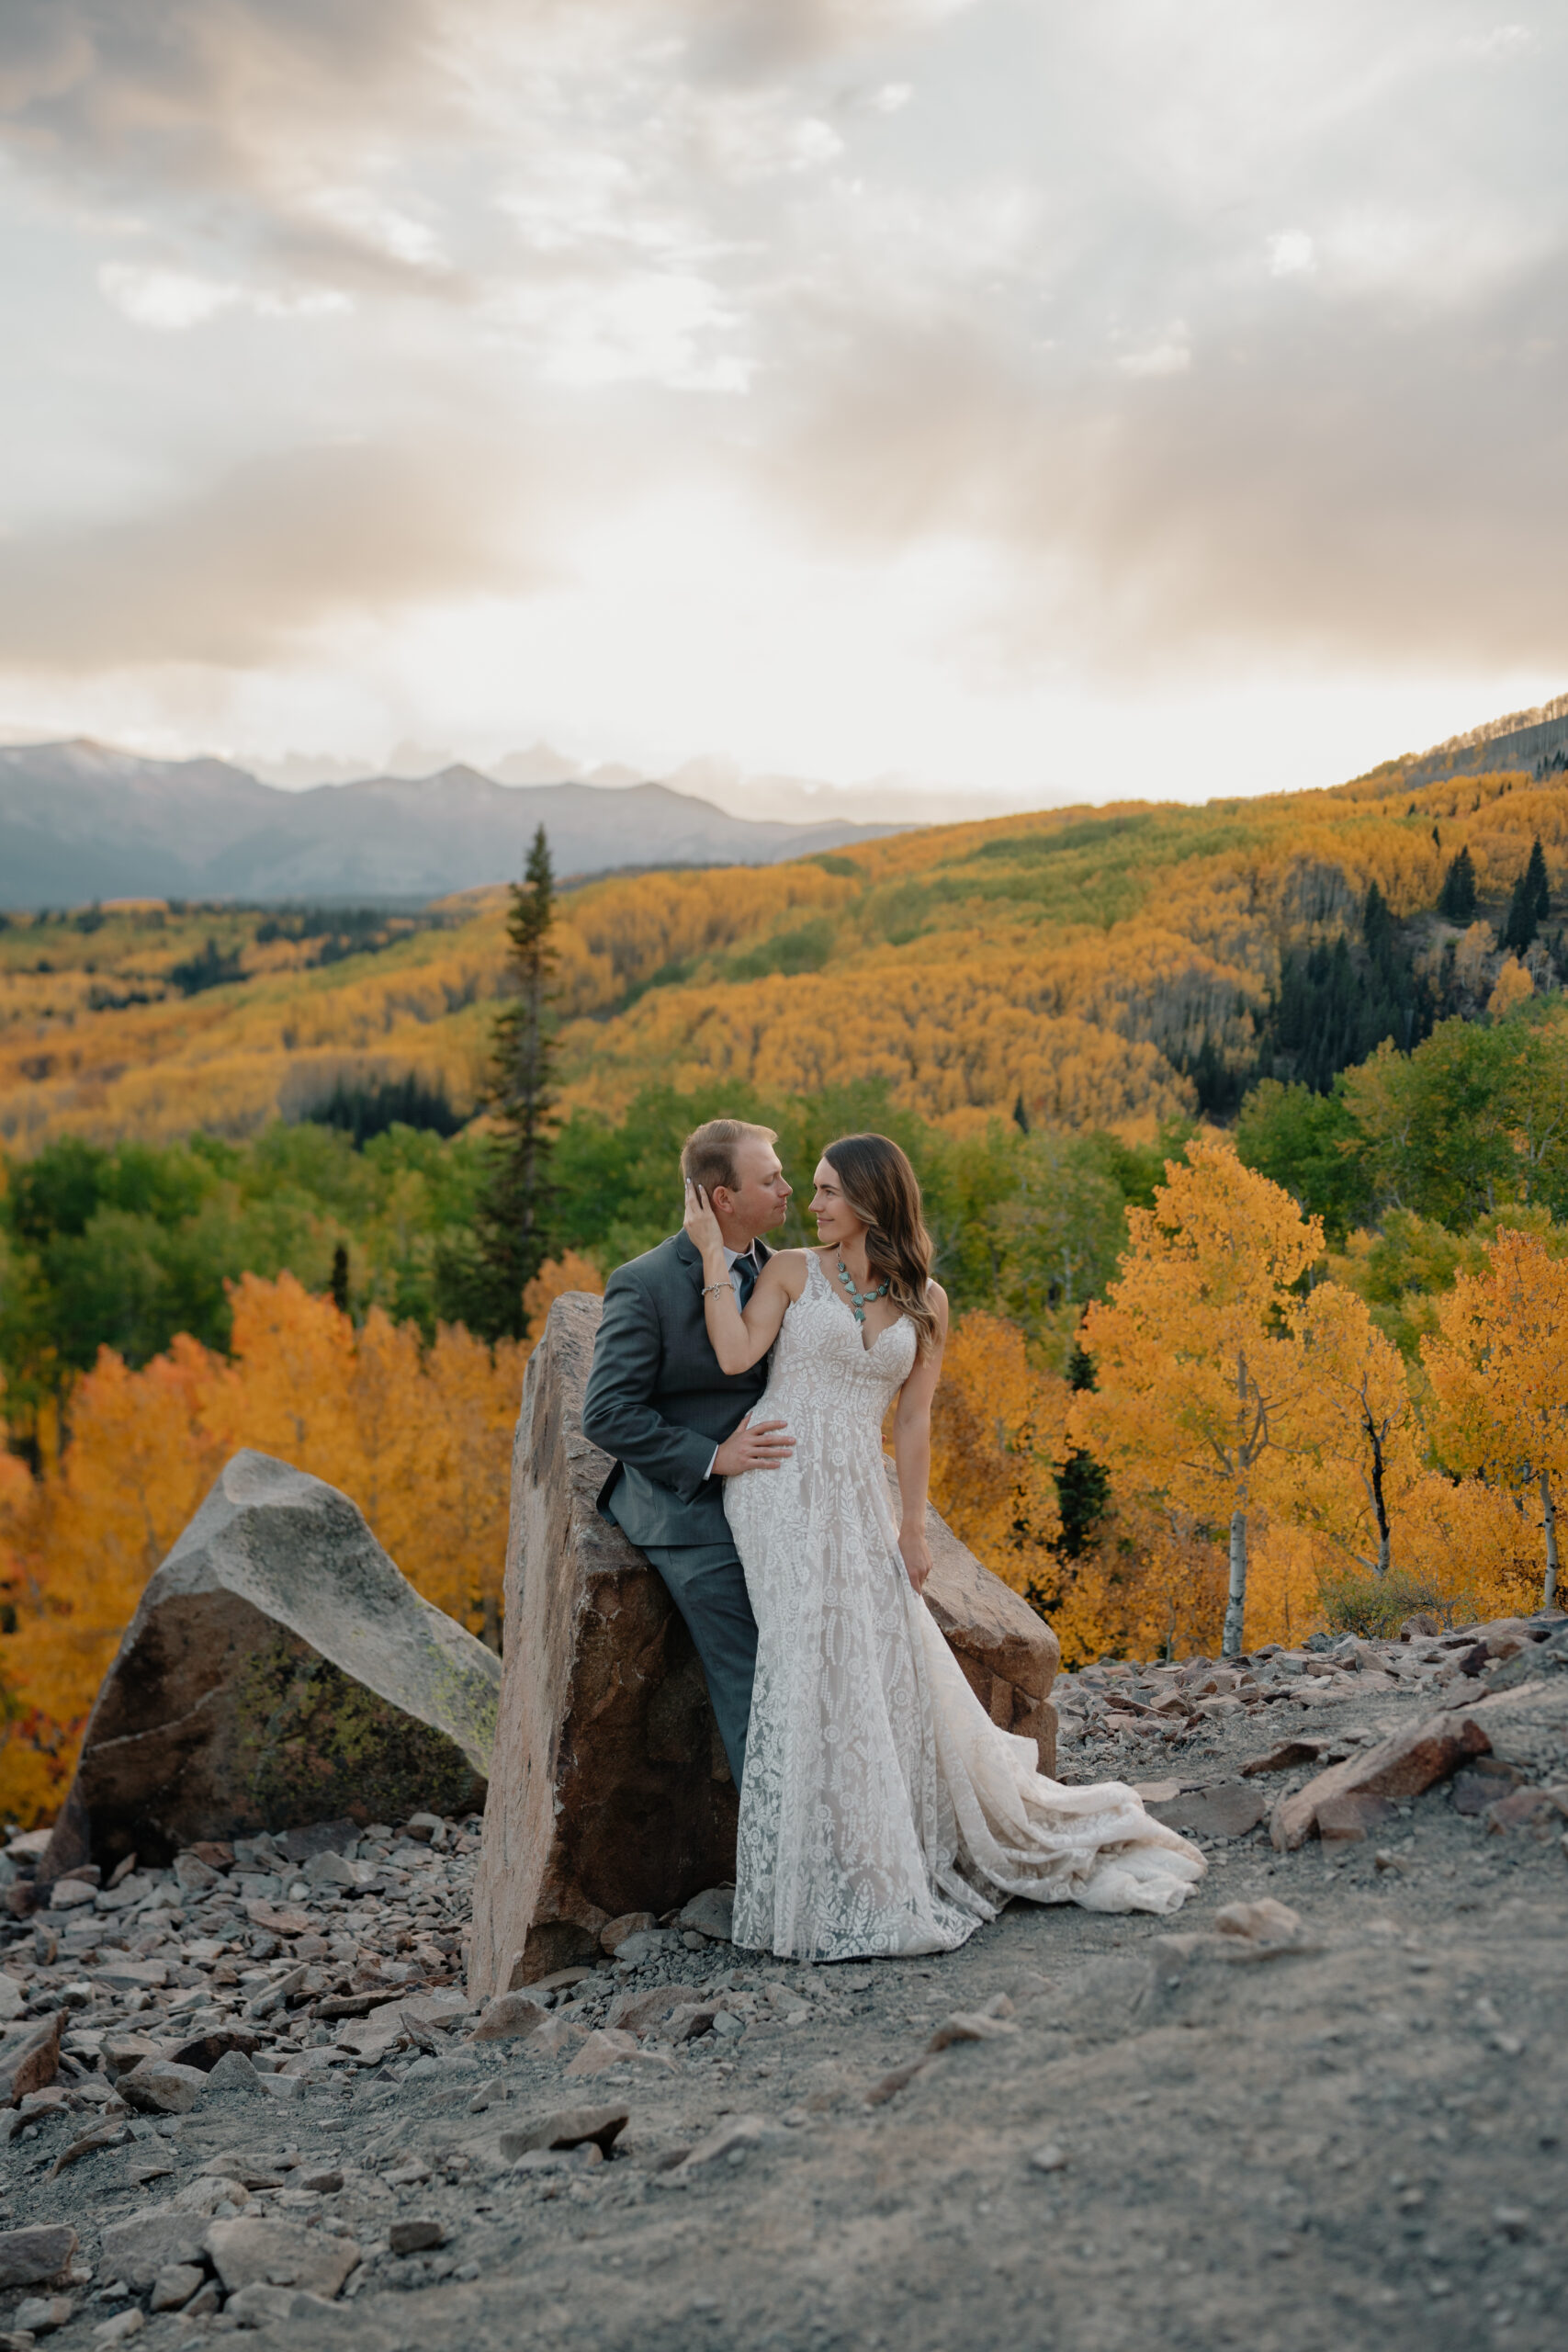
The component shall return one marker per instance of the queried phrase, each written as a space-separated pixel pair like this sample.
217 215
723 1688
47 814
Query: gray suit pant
708 1585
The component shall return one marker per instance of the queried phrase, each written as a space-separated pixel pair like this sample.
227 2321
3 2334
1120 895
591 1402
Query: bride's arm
912 1448
740 1341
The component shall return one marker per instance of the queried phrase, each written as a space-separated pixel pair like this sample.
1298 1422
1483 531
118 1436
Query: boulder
1404 1764
611 1793
279 1671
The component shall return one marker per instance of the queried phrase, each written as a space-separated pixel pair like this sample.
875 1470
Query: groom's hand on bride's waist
755 1445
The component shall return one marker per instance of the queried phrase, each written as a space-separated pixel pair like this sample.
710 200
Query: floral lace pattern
883 1812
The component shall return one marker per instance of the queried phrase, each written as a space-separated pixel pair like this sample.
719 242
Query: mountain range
80 820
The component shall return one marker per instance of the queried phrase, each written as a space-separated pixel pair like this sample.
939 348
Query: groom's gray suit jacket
657 1402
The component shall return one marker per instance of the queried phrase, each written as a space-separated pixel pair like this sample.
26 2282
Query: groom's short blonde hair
708 1157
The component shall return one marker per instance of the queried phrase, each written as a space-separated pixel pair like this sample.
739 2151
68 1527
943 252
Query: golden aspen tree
1358 1458
1199 1376
1498 1365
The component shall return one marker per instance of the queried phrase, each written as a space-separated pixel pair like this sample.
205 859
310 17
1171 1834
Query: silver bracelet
710 1289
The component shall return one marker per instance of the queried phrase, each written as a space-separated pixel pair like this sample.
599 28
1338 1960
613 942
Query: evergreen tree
1531 904
1457 898
340 1278
511 1214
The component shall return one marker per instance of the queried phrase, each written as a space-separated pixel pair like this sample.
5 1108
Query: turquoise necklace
859 1299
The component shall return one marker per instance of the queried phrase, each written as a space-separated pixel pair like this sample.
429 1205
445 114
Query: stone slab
1409 1761
278 1669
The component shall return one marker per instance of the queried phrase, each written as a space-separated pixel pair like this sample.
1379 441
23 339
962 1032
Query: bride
881 1811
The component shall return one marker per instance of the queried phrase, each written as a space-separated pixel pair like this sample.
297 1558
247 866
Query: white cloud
172 300
1172 357
1291 254
167 298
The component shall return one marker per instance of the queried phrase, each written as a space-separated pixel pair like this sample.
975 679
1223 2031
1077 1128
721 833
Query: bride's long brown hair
883 1192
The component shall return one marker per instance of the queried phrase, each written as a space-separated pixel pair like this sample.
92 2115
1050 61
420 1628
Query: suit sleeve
618 1411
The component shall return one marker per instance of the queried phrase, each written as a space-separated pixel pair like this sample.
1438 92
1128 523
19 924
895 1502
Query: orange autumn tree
997 1444
419 1436
1199 1380
1498 1365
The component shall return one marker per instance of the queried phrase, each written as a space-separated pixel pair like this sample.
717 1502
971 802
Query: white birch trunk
1235 1602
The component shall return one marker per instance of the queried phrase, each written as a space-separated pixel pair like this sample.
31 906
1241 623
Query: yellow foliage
420 1439
996 1443
554 1279
1514 986
1498 1365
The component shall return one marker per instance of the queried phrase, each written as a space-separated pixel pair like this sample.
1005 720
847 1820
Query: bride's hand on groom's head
700 1221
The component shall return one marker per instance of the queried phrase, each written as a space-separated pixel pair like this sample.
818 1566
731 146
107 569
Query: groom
677 1425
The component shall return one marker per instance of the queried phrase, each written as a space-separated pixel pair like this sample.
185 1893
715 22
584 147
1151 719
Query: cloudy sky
1047 400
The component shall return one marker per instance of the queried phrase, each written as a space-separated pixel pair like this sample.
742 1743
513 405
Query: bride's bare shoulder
789 1267
938 1299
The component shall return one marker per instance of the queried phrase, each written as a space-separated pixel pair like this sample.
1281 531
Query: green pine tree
1457 898
1530 904
511 1214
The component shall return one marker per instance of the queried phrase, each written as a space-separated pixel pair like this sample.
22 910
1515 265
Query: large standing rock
279 1671
610 1792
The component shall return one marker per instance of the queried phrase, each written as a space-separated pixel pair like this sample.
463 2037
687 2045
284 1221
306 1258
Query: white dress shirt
732 1258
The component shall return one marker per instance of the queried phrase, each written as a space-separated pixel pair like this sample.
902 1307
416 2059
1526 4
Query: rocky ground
273 2108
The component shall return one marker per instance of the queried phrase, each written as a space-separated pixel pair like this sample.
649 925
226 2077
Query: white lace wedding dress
883 1812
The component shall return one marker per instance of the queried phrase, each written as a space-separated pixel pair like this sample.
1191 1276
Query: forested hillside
1122 965
1137 1054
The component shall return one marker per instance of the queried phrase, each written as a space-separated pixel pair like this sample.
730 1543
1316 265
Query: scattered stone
604 2047
173 2288
415 2237
246 2252
898 2080
639 2013
1345 1819
119 2329
631 1923
137 2249
28 2257
41 2314
107 2135
1408 1762
1220 1809
157 2086
205 2050
508 2016
276 1619
1050 2158
1264 1922
324 2181
1284 1757
29 2058
710 1914
734 2134
571 2127
235 2072
969 2026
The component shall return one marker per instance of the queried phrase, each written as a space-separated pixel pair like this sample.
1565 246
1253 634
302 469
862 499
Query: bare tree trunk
1550 1510
1235 1602
1385 1543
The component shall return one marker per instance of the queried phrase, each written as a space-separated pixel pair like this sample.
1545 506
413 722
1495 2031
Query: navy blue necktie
746 1267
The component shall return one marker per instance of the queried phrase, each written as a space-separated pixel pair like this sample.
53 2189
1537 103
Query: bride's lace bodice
822 1371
